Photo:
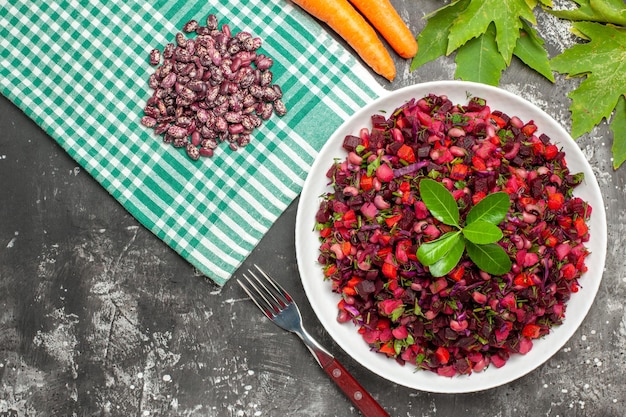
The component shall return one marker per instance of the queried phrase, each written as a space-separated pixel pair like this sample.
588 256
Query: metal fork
279 307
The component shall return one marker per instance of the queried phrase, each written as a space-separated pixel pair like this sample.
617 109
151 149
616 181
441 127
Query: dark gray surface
100 318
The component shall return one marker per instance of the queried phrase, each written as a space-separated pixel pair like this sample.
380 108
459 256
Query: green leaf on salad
398 344
490 258
447 264
618 126
602 61
479 235
493 209
372 167
397 313
439 202
433 251
482 232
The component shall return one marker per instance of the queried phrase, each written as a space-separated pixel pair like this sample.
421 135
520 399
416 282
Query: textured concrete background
100 318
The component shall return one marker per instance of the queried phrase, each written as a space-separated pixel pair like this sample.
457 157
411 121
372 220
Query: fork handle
353 390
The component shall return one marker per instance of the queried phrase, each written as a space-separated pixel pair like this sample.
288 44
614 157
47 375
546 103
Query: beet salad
373 222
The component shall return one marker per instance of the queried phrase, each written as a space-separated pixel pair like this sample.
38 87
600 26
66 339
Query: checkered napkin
80 68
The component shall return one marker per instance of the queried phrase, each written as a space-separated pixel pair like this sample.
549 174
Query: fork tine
258 298
280 290
266 293
270 294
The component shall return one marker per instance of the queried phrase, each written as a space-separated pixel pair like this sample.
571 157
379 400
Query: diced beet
379 121
476 104
481 185
350 142
377 139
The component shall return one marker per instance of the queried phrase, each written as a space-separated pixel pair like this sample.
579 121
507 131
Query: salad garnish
479 235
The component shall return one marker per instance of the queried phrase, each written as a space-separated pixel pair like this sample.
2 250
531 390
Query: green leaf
397 313
478 60
506 15
433 39
439 201
372 167
530 51
604 11
447 264
492 209
583 12
479 31
490 258
611 11
482 232
602 61
431 252
618 126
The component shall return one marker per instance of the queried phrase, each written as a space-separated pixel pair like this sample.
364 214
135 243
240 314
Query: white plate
324 302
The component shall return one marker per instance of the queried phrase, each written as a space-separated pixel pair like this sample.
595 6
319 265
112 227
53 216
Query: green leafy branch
601 59
478 237
485 34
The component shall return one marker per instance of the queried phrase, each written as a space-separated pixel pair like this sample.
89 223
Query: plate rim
491 377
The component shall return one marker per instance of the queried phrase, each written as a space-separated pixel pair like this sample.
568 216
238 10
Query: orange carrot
384 17
341 17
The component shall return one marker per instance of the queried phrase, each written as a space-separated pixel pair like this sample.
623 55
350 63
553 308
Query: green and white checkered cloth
79 69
